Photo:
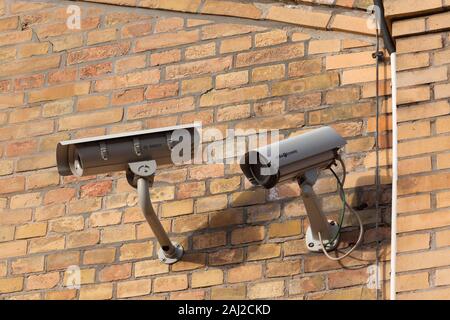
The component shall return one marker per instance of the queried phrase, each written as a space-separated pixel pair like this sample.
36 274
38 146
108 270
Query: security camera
300 158
291 158
114 152
138 154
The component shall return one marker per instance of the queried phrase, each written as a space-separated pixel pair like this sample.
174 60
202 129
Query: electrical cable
361 227
341 216
378 56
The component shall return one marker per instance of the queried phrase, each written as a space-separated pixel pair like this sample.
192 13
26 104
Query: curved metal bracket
140 175
317 220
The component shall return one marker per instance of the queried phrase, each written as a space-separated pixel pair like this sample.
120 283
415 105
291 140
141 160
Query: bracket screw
310 244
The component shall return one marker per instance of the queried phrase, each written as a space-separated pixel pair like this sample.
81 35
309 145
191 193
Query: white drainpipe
394 177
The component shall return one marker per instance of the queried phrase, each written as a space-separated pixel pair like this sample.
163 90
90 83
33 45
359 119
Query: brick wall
134 68
423 222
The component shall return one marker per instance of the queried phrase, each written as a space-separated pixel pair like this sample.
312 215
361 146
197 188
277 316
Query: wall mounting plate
313 244
178 254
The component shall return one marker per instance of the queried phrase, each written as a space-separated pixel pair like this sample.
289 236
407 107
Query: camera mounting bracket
140 175
317 220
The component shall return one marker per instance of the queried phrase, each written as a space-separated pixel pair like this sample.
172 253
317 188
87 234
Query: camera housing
109 153
301 158
291 158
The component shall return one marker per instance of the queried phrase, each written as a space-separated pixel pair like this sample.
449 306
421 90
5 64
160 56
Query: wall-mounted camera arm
317 220
140 175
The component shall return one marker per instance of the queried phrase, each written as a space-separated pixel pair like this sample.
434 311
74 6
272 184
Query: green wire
341 217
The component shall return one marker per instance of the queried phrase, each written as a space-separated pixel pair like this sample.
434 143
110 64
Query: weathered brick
161 91
67 224
284 268
423 260
131 251
227 96
228 293
27 265
430 75
228 8
235 44
160 108
270 38
249 272
227 29
413 61
322 81
165 57
419 43
15 37
149 267
170 283
67 42
413 203
209 240
349 60
97 53
13 184
62 260
232 79
96 292
49 243
30 65
44 281
423 221
198 67
301 17
365 74
442 91
398 8
233 112
118 233
200 51
306 284
351 23
266 290
132 79
262 56
196 85
285 229
59 92
13 249
100 36
98 118
83 238
248 234
133 288
263 251
207 278
32 230
99 256
33 49
11 284
324 46
166 40
413 242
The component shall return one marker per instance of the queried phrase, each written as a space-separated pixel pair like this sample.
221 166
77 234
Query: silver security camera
299 158
138 154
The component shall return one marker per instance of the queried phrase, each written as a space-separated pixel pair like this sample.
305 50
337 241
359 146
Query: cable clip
379 55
